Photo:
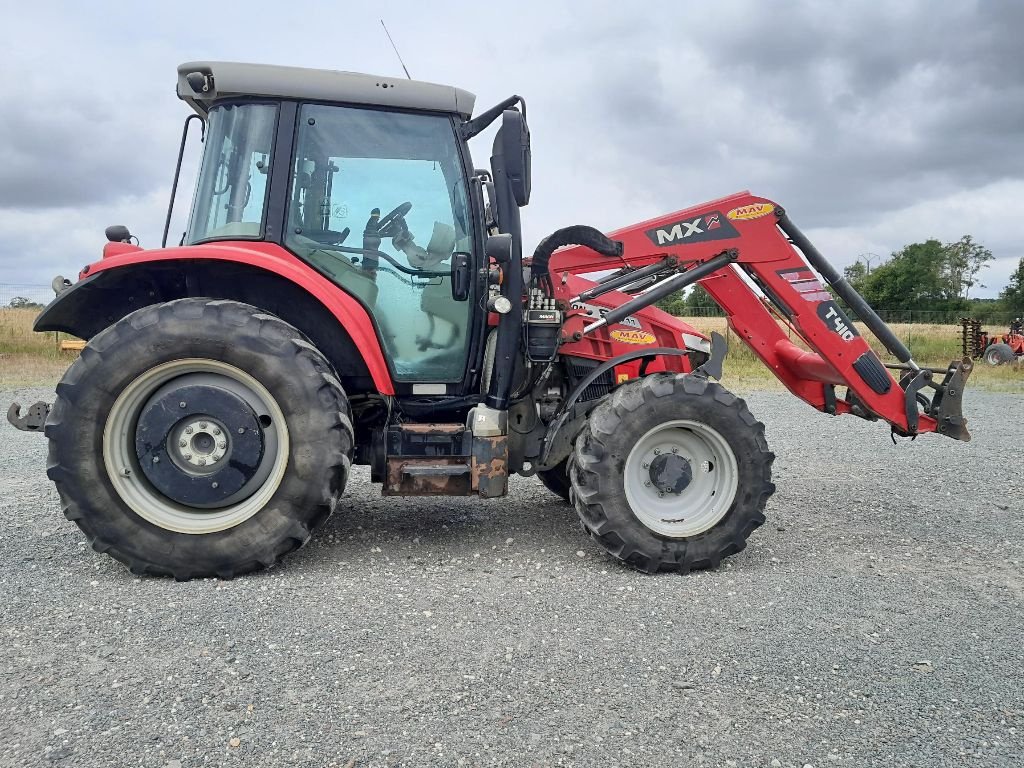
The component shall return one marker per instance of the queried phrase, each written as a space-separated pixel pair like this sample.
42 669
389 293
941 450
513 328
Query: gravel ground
875 620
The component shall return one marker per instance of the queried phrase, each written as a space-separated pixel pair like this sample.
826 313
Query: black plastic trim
871 370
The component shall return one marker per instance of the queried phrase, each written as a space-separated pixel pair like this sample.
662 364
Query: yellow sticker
752 211
634 337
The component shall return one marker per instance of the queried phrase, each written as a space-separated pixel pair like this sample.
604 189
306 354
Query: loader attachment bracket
947 405
34 418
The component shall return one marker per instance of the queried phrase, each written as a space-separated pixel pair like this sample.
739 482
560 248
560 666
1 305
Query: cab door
378 202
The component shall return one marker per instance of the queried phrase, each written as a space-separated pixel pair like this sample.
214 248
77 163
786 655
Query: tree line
924 277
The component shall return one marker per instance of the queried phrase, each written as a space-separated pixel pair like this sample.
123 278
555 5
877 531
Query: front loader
352 290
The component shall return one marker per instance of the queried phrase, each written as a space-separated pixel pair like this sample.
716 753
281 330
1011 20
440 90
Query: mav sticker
836 320
750 212
633 337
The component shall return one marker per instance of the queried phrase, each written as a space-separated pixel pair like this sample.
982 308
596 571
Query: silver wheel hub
199 443
681 478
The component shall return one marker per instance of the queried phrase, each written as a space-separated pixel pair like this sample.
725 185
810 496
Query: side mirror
515 149
461 276
117 233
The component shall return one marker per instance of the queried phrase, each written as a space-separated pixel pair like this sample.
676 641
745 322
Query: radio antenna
396 49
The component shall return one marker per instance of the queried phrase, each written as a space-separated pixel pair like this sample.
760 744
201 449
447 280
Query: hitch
34 418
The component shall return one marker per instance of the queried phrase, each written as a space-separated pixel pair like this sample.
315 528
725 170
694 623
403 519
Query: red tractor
352 290
993 348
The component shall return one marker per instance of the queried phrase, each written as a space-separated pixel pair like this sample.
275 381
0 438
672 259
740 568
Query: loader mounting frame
763 271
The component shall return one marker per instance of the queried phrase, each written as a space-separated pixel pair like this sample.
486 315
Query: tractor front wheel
671 473
199 438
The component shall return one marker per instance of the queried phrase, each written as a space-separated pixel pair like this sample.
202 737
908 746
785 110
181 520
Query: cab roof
228 79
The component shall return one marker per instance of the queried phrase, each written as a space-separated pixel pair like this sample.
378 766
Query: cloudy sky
875 126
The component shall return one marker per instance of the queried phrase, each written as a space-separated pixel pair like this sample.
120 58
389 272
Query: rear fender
261 274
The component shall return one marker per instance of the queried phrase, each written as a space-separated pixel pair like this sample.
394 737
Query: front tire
671 473
199 438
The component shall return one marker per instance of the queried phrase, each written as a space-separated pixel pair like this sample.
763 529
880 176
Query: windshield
231 191
378 203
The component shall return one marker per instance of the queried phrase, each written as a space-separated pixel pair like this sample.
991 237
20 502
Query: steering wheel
392 223
327 236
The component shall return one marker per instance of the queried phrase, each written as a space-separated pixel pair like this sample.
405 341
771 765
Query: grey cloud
847 113
74 152
940 73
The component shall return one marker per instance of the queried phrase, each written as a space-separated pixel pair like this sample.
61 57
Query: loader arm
731 245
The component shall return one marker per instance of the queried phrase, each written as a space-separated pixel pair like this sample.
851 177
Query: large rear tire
199 438
671 473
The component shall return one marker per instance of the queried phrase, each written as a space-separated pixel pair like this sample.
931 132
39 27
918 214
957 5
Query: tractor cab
365 179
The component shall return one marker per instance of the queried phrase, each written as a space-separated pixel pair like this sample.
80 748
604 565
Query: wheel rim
214 449
992 357
681 478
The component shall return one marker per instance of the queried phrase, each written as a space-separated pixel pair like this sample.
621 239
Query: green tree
20 302
1012 296
699 302
912 278
855 273
964 260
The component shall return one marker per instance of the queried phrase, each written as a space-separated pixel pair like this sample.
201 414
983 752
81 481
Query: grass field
31 358
27 357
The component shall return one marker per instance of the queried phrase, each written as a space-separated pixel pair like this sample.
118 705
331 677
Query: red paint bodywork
273 258
663 329
766 252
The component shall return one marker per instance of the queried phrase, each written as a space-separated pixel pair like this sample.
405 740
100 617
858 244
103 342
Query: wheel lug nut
188 457
647 483
182 443
660 494
216 430
657 451
202 425
222 445
201 462
188 430
674 449
646 465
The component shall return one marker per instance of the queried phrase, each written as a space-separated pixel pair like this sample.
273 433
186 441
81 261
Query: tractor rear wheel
997 354
556 479
671 473
199 438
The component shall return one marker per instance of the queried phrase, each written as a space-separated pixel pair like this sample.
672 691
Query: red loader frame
732 244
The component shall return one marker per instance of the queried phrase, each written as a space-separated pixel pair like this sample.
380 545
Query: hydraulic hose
577 234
